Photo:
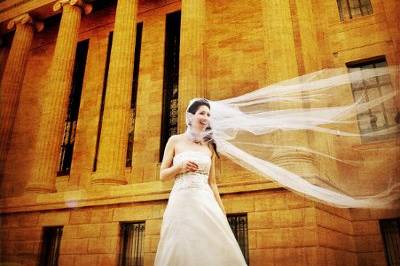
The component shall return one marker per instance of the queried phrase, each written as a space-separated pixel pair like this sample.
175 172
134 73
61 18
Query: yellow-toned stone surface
227 48
58 86
191 55
11 80
114 137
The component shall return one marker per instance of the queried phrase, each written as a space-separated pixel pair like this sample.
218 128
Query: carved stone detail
25 19
86 8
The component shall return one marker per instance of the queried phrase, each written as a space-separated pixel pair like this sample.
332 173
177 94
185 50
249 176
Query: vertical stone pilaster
284 61
280 54
13 76
55 104
191 63
114 133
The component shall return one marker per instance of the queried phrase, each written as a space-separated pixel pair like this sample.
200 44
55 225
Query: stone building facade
80 172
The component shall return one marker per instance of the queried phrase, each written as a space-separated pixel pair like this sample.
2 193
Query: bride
246 128
195 230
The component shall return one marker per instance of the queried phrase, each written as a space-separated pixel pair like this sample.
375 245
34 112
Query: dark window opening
73 109
103 99
349 9
50 248
5 47
138 45
390 230
169 122
382 116
132 240
238 224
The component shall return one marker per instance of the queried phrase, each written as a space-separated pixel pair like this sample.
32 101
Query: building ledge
109 195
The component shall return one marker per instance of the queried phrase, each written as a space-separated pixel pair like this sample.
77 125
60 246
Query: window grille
379 117
138 45
349 9
238 224
132 240
169 122
390 230
71 121
50 248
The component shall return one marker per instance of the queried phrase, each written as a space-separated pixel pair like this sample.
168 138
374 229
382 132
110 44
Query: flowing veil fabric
318 117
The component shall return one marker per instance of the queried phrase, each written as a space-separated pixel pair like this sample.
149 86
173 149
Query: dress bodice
198 179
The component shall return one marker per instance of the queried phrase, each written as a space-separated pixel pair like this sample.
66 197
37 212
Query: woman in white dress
195 230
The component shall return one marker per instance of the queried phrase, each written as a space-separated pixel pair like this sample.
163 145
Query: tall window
238 223
349 9
390 230
138 45
132 240
50 248
73 109
5 46
169 123
103 98
381 116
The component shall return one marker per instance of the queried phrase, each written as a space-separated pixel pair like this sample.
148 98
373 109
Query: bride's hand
188 166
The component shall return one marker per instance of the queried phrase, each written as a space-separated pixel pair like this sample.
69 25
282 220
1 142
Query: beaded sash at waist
191 180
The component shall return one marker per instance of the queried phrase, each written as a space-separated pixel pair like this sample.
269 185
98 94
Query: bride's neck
194 135
196 131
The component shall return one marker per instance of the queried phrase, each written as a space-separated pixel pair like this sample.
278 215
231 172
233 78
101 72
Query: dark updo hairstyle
196 105
193 109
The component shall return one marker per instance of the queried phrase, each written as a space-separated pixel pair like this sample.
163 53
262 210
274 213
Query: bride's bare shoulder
178 135
176 138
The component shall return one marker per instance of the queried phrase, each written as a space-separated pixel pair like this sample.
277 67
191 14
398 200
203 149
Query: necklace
197 142
193 137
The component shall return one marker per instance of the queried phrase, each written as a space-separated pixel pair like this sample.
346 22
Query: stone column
13 76
284 60
117 109
55 104
191 53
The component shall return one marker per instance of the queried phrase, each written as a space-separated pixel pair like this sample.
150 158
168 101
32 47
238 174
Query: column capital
25 19
86 8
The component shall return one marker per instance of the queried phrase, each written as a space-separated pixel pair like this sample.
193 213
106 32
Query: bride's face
201 118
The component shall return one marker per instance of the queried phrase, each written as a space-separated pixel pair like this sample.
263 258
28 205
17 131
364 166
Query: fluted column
55 104
13 76
117 109
191 53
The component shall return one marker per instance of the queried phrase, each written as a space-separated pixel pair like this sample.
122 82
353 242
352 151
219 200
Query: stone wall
247 45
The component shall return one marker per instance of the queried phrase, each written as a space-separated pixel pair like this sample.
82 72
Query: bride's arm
213 184
167 170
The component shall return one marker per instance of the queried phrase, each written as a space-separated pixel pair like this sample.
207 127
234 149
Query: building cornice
10 9
40 9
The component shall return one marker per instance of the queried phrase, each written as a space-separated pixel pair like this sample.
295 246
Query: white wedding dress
194 230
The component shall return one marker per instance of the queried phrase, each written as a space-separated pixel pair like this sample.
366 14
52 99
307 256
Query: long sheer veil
331 135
